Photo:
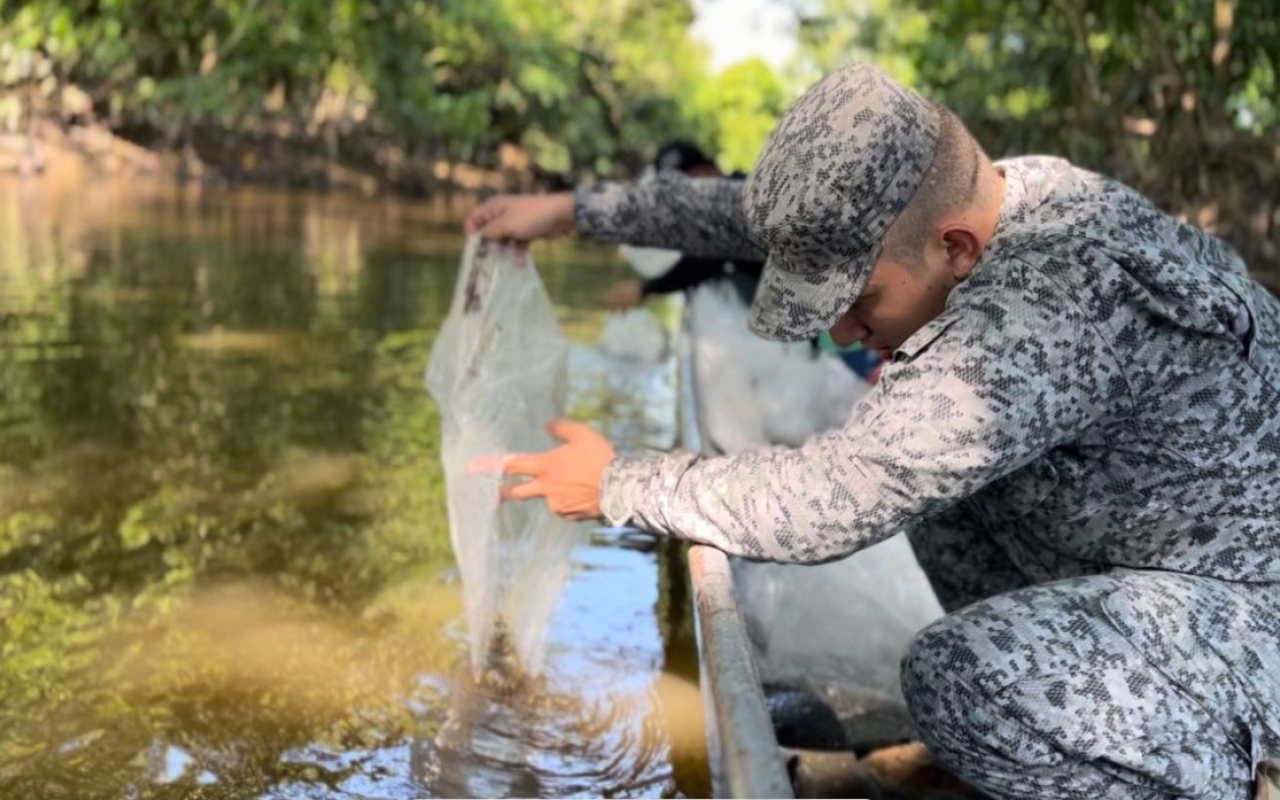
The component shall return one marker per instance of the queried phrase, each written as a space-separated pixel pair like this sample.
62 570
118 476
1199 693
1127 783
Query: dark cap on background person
835 173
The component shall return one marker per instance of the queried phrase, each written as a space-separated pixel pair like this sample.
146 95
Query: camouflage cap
834 174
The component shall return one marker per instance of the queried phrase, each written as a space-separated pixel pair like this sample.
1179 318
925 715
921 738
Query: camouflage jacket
1100 391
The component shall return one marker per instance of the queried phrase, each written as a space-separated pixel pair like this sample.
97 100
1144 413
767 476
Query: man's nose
847 331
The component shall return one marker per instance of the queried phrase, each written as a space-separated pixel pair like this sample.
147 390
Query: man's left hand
567 477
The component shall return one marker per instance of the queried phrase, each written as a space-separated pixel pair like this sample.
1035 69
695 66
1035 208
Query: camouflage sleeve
972 397
697 216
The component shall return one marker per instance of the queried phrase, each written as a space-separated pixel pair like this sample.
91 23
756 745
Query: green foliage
741 105
588 86
1175 98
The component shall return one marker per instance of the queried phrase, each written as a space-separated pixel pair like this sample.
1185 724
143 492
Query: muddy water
224 567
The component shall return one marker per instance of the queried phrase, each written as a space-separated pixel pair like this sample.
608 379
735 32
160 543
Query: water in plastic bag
497 372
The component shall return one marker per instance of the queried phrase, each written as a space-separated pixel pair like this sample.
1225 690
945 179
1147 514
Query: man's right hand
523 218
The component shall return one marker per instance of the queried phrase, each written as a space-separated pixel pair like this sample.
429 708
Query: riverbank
1241 207
279 158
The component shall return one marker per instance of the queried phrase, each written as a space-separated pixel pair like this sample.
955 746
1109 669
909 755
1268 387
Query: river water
225 570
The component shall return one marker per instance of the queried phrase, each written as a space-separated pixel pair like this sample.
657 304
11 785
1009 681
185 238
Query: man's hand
624 295
523 218
568 476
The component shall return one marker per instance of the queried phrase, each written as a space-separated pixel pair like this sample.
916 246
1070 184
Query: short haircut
950 183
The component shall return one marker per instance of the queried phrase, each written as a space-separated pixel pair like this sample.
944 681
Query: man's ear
963 248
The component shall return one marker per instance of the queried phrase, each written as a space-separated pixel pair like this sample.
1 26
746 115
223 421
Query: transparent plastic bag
762 392
845 623
649 262
633 335
497 372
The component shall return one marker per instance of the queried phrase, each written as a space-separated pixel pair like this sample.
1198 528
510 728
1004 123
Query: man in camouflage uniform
1077 429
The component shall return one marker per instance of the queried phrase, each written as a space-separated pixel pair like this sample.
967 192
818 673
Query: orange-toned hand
567 477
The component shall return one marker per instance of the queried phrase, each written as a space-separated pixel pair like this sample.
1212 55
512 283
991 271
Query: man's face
901 298
897 301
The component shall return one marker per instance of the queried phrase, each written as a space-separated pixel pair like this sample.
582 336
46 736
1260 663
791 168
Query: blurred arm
697 216
687 273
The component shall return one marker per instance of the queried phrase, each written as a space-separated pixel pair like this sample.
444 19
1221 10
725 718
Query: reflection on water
562 735
224 568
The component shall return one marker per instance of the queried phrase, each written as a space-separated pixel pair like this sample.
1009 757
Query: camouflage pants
1124 685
